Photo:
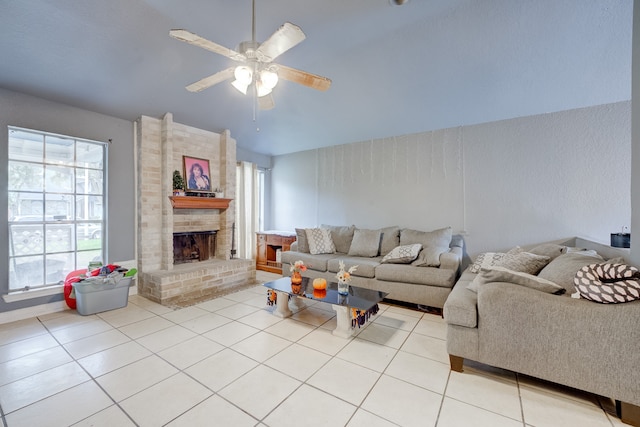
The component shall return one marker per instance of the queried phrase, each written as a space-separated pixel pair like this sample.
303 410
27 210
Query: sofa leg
629 414
456 362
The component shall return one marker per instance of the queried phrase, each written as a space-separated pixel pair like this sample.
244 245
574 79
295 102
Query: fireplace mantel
189 202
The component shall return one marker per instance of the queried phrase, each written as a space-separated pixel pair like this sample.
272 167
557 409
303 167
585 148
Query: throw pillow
490 259
365 243
390 239
320 241
433 244
501 274
301 238
402 254
341 236
524 262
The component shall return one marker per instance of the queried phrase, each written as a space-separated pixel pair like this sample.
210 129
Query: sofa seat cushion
366 266
430 276
313 262
461 305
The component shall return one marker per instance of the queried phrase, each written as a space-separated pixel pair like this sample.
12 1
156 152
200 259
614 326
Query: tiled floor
229 362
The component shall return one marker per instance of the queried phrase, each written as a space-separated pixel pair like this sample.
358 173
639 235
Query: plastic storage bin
93 297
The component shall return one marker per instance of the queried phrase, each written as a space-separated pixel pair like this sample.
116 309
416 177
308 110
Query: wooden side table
269 245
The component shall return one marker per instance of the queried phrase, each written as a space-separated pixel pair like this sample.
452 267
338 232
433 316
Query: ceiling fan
257 69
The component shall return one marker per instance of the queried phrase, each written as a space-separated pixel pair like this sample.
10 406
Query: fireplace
194 246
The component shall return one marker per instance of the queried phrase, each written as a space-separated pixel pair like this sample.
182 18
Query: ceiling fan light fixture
268 78
262 90
241 86
243 74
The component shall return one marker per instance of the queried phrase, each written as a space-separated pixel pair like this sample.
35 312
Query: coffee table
358 298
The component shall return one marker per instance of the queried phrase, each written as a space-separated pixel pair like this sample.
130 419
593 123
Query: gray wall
34 113
506 183
635 158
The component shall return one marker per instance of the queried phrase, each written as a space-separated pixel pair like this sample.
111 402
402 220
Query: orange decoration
319 293
296 278
319 283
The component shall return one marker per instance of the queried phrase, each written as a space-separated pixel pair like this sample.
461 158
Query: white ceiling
396 70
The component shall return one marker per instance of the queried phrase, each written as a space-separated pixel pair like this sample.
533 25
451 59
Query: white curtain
247 206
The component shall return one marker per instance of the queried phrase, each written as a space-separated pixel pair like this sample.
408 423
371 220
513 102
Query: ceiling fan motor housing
248 49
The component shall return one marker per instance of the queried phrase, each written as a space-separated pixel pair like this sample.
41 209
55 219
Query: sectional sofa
524 326
423 276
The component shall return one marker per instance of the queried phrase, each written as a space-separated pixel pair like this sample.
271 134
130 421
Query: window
57 206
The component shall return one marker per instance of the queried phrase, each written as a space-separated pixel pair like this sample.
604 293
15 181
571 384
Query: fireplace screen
194 246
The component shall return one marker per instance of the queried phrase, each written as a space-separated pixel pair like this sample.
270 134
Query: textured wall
518 181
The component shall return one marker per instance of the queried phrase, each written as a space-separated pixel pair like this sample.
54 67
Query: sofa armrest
451 260
294 246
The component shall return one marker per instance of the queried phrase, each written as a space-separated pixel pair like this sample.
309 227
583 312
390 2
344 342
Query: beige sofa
418 282
574 342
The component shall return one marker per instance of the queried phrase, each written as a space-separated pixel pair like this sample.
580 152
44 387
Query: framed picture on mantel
197 174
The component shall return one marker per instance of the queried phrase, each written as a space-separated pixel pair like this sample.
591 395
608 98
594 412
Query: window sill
33 293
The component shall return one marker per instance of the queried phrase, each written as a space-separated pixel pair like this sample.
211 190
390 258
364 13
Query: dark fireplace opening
194 246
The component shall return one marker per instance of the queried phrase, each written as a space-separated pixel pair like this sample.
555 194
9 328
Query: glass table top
360 298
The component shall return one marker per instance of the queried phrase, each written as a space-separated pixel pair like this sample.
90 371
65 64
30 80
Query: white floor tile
384 335
258 300
83 330
322 340
543 409
166 338
145 327
290 329
32 364
398 320
112 416
25 391
165 400
405 311
62 409
420 371
298 361
93 344
260 319
403 403
221 369
455 414
231 333
368 354
493 393
225 413
242 296
149 305
18 349
135 377
363 418
310 407
237 311
261 346
432 329
313 316
425 346
259 391
205 323
64 319
345 380
184 314
125 316
190 352
216 304
113 358
20 330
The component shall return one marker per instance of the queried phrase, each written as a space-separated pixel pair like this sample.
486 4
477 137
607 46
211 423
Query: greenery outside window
57 206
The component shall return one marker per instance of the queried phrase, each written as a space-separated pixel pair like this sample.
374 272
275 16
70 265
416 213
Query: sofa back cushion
320 241
563 269
390 239
341 236
433 244
365 243
301 238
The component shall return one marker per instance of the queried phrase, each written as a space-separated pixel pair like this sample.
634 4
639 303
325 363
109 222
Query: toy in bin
101 289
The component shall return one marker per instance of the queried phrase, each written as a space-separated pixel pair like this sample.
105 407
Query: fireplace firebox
194 246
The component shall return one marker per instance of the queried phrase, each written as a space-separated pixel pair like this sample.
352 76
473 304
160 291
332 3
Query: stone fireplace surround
161 144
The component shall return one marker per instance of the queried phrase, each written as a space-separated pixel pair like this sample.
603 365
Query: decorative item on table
319 288
296 270
360 317
218 192
344 278
272 297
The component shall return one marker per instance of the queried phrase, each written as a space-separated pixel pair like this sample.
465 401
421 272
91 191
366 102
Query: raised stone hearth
161 145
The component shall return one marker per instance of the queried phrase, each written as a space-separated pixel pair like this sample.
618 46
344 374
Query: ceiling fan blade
284 38
196 40
302 77
266 102
207 82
